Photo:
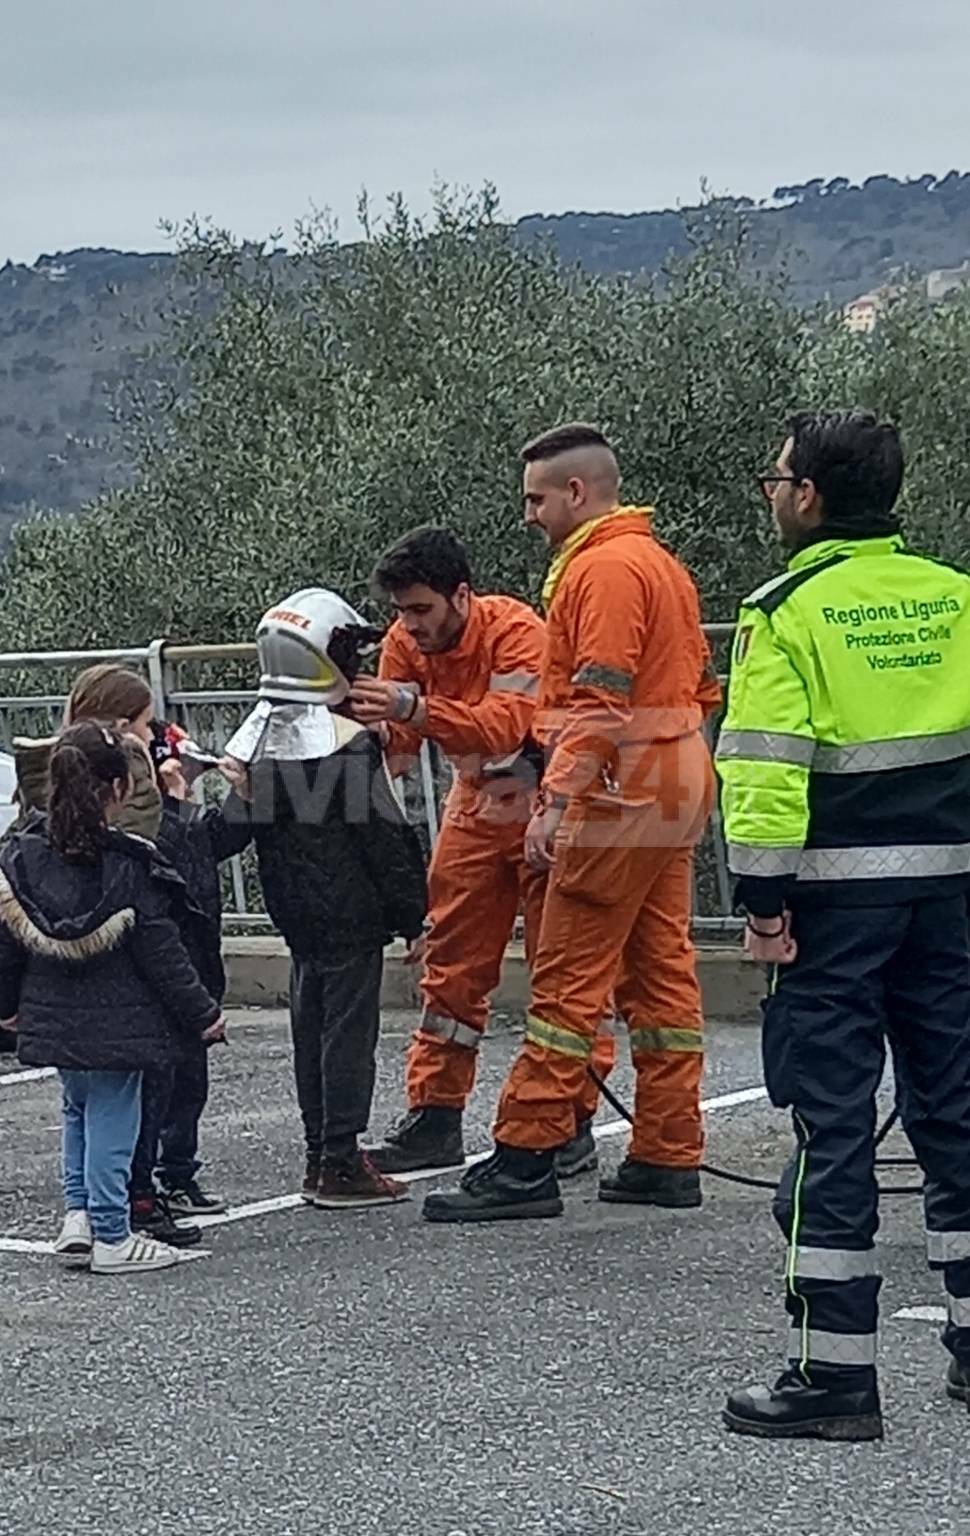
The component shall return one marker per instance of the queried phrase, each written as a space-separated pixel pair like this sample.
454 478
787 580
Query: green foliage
303 409
72 326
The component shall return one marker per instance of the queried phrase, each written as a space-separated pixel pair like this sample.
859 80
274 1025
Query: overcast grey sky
116 113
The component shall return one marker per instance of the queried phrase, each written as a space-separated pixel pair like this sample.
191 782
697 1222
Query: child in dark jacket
97 983
195 841
342 874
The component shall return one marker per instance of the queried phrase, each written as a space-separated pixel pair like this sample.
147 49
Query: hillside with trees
330 399
73 327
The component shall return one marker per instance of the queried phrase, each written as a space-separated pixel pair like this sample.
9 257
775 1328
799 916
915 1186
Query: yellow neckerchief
574 542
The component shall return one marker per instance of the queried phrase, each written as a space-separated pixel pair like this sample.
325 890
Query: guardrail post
158 677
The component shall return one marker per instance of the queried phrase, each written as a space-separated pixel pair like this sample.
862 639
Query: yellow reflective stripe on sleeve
565 1041
666 1039
609 678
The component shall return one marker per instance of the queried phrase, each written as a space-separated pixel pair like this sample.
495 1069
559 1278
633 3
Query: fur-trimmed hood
69 911
28 933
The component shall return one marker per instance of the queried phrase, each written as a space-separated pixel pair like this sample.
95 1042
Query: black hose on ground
752 1183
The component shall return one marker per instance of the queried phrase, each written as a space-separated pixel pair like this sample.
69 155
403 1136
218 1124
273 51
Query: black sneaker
958 1382
190 1200
792 1411
510 1185
648 1184
579 1155
428 1137
151 1217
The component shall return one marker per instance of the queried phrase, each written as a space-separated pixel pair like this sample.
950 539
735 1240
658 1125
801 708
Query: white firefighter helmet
304 642
306 645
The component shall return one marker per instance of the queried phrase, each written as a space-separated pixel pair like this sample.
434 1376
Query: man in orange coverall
463 670
626 681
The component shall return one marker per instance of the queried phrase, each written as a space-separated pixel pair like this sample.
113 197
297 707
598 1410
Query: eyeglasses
769 483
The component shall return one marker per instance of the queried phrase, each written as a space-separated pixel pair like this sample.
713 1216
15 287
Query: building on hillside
946 280
862 314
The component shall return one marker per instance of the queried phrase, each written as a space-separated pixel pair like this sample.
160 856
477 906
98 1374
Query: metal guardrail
211 714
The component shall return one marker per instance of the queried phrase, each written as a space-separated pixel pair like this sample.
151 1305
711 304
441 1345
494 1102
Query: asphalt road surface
358 1373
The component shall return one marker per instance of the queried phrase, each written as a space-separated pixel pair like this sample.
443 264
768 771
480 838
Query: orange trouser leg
473 888
658 994
595 892
602 1060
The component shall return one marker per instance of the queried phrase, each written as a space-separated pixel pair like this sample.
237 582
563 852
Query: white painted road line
290 1202
920 1315
26 1075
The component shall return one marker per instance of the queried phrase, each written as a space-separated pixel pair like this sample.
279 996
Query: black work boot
648 1184
958 1382
427 1137
579 1155
511 1184
790 1410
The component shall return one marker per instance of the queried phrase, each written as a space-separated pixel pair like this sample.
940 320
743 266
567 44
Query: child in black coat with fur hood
96 981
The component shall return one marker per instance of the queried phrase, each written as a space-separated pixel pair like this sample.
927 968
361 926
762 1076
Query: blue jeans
101 1115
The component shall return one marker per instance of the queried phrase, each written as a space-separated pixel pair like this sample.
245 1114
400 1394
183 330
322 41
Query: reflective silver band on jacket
514 682
746 859
767 747
923 861
856 757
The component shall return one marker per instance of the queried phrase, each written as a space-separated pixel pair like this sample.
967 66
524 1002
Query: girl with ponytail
96 981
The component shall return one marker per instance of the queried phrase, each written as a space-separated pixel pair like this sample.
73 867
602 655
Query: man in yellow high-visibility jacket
845 767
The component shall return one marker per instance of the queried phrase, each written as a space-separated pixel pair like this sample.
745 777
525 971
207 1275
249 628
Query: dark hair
86 762
427 557
855 462
575 434
107 692
346 643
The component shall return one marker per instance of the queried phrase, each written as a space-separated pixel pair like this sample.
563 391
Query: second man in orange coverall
462 670
626 681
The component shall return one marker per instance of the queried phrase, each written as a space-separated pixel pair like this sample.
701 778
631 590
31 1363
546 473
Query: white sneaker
135 1255
73 1246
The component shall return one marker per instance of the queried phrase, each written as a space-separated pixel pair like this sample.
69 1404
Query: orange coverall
480 703
626 682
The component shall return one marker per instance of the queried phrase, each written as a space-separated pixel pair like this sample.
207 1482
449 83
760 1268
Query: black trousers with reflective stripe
896 973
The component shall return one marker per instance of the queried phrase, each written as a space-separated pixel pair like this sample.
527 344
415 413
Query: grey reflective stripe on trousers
745 859
958 1310
947 1247
514 682
452 1030
833 1263
831 1348
881 756
767 747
